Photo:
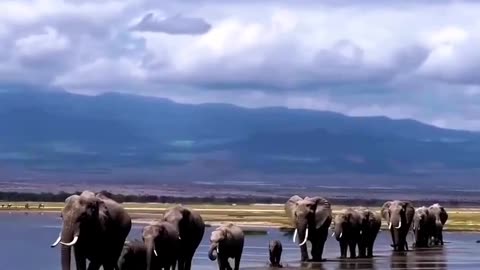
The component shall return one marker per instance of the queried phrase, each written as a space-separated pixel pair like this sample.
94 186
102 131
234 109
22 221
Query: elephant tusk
218 250
340 235
295 236
389 225
155 252
304 240
399 225
360 232
57 241
333 234
75 239
179 238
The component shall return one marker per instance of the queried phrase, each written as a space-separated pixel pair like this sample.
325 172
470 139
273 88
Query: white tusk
155 252
333 234
295 236
360 232
340 235
75 239
58 240
305 240
399 225
218 250
389 225
179 238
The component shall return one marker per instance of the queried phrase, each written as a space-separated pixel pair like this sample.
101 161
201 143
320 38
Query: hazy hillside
53 131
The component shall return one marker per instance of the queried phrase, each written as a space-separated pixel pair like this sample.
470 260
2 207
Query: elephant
347 231
133 256
96 227
191 227
423 226
162 241
226 242
399 216
275 251
311 218
370 226
441 217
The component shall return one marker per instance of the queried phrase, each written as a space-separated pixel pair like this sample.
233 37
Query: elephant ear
443 215
409 211
384 210
323 212
291 205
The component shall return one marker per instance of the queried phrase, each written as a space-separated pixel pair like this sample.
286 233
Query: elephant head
344 223
80 211
216 239
440 215
307 213
399 217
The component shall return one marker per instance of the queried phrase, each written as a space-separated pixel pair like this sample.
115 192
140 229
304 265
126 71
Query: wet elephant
423 226
226 242
312 218
275 252
162 241
96 227
347 227
399 217
371 223
191 227
441 217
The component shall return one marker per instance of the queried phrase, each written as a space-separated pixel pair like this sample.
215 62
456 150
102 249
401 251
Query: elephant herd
358 227
96 227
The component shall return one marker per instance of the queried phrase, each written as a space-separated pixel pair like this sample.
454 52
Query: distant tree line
61 196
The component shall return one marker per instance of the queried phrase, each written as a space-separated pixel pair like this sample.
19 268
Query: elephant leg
318 245
370 250
80 260
352 245
343 249
362 247
304 253
237 262
441 238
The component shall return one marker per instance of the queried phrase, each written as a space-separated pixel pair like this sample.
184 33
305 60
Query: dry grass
257 215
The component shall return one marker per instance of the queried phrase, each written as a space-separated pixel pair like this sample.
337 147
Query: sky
402 59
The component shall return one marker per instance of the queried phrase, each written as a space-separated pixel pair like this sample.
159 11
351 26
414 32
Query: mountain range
53 131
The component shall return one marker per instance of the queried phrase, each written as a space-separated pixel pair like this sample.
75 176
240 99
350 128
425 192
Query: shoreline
251 216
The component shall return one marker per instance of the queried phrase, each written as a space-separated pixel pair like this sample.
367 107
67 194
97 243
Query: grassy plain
252 215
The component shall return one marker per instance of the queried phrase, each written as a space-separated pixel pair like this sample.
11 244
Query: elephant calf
226 242
134 256
275 251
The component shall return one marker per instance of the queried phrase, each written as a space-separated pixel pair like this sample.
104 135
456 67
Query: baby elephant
134 256
275 250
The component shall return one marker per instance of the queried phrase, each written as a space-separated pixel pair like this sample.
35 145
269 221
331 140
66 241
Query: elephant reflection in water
95 227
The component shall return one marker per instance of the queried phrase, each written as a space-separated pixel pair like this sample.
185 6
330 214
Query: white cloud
408 59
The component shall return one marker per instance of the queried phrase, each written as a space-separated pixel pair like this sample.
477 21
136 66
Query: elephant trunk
150 245
302 232
338 232
213 251
68 238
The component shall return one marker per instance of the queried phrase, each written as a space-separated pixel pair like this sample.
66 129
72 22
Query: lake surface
25 245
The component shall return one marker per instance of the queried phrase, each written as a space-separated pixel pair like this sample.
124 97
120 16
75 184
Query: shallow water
26 243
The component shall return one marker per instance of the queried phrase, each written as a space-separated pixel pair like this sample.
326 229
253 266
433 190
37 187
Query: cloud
175 25
415 59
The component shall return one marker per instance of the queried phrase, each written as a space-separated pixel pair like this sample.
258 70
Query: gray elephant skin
275 253
311 218
441 217
191 227
399 217
423 227
226 242
96 227
347 226
370 226
162 241
133 256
